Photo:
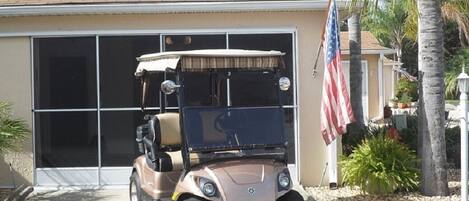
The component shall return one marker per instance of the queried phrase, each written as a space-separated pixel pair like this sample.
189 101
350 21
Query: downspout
381 85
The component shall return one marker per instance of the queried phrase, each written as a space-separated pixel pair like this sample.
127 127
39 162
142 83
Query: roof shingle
369 42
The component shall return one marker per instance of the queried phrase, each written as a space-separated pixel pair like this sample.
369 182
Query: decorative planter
402 105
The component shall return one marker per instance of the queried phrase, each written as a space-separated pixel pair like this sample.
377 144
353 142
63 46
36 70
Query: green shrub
12 131
409 135
380 165
352 139
405 98
405 86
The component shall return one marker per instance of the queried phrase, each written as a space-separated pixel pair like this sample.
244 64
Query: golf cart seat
162 145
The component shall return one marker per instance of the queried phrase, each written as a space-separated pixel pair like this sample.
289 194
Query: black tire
291 196
191 198
135 191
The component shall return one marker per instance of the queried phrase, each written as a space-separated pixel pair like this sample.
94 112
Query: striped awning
203 60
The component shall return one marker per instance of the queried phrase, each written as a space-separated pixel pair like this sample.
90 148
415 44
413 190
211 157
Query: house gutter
151 8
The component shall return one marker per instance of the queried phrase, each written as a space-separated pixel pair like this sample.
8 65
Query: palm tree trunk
432 146
355 68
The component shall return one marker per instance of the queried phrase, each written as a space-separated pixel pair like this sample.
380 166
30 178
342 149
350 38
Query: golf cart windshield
218 128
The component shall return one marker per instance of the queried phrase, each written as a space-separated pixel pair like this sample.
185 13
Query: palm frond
12 131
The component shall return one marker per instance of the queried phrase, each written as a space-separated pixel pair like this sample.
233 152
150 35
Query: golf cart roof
204 60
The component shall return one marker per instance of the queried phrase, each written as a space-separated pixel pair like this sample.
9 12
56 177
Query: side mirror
284 83
169 87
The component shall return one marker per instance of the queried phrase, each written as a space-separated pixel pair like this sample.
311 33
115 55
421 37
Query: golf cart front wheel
291 196
191 198
135 192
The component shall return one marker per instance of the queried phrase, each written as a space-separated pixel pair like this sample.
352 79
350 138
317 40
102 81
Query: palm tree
432 146
458 11
354 32
12 131
388 24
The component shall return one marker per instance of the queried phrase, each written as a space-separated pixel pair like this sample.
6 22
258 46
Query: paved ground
120 194
78 195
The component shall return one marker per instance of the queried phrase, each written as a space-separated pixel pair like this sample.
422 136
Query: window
279 42
194 42
66 139
118 146
117 59
68 112
267 42
65 73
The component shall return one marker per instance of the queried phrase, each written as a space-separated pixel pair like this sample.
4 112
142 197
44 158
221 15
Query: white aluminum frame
160 34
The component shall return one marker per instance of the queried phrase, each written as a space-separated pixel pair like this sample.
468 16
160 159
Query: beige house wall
373 85
15 88
388 83
15 65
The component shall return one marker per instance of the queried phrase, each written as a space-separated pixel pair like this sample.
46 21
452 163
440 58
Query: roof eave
179 7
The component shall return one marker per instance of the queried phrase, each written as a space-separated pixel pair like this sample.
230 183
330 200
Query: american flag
336 111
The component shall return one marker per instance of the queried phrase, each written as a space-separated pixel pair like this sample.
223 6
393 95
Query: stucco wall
15 87
373 85
388 82
312 147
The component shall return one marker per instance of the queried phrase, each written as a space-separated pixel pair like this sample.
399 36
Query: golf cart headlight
283 180
207 187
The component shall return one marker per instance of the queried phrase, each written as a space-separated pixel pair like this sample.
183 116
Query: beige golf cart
216 145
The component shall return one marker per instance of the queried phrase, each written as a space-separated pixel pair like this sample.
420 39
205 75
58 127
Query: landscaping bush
405 86
12 131
409 135
381 165
351 140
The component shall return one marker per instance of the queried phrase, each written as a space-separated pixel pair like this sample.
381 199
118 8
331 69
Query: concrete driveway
118 194
77 195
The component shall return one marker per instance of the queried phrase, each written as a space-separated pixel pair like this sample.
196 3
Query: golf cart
218 145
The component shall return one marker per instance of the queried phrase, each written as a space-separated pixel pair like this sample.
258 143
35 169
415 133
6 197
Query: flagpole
332 147
315 72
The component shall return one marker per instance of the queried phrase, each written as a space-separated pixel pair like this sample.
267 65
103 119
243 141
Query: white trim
381 86
136 32
371 51
7 186
81 176
67 110
393 85
33 124
366 108
40 189
296 100
98 107
115 175
149 8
